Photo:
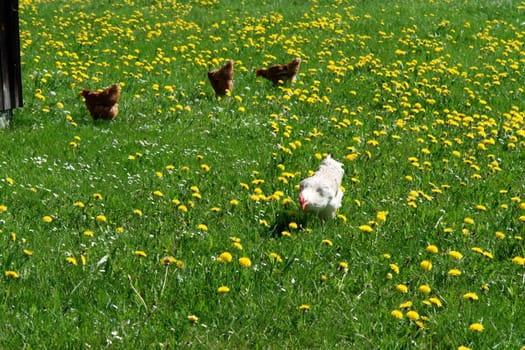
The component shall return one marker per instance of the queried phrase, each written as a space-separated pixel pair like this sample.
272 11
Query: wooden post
10 72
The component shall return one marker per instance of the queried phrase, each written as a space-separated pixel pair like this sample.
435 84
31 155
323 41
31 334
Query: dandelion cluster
195 197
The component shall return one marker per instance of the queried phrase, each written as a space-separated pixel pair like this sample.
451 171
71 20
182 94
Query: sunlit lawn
178 225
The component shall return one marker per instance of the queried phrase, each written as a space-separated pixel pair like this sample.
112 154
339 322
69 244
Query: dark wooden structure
10 72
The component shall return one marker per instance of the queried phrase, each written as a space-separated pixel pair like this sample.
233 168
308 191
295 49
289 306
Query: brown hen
102 104
281 73
222 79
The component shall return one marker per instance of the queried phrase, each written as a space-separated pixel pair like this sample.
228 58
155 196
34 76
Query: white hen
321 193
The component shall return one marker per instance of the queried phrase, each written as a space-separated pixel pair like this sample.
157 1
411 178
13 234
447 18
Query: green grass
422 102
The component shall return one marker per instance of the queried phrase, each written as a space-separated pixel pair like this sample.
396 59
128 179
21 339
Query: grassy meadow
178 224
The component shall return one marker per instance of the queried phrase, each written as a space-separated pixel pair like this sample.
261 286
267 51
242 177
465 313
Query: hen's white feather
321 193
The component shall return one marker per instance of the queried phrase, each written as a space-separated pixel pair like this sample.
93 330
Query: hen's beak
302 201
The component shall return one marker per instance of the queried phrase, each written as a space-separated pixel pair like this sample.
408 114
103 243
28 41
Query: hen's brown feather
102 104
281 73
222 79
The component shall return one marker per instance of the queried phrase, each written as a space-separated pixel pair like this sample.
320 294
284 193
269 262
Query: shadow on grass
282 222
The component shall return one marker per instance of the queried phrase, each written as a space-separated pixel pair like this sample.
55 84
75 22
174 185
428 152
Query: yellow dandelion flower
205 167
245 262
101 218
477 250
327 242
28 252
470 296
454 272
3 208
456 255
394 268
137 212
487 255
518 260
397 314
215 209
234 202
182 208
88 233
78 204
304 307
47 219
402 288
406 305
158 193
223 290
426 265
468 220
140 253
461 347
424 288
193 318
202 227
225 257
276 257
71 260
381 215
12 274
98 196
237 245
432 249
366 228
412 315
120 229
476 327
293 226
435 301
168 260
343 265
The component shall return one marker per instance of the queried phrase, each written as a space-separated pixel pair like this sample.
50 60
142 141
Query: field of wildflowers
177 225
